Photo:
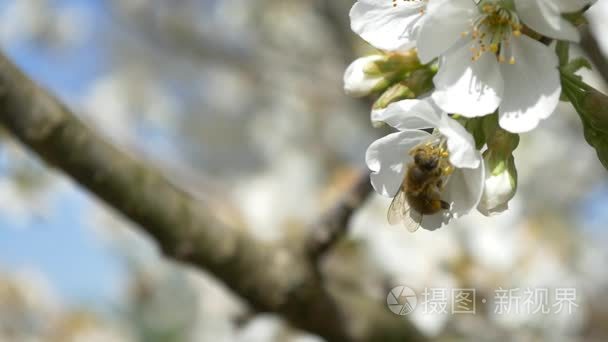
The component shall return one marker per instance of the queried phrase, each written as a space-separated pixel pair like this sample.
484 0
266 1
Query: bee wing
400 212
412 219
397 208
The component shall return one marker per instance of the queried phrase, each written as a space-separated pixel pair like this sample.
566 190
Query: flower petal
545 17
465 86
464 189
532 86
387 158
461 145
409 114
387 27
444 22
569 6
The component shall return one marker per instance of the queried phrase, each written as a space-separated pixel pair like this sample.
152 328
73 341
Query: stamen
492 30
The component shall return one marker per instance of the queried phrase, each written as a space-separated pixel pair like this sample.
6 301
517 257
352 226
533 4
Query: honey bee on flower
432 177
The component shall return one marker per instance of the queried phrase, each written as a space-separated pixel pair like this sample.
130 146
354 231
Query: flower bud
500 182
376 73
362 77
500 185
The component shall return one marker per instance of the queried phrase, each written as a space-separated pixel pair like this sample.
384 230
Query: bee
423 183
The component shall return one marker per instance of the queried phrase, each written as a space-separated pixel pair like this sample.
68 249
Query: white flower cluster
493 75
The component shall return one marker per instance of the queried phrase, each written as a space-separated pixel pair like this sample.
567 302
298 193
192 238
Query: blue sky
77 263
66 251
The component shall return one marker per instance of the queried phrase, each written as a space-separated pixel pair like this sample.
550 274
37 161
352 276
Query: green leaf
592 107
599 141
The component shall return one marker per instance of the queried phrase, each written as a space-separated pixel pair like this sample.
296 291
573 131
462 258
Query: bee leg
445 205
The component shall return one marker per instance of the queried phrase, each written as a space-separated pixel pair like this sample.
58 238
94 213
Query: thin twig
334 223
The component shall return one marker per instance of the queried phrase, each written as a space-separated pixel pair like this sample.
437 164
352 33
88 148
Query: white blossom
389 157
487 63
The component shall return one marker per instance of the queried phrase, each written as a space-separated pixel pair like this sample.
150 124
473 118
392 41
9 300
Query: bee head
426 161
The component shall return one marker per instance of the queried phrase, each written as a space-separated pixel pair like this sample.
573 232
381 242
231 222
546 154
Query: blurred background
242 102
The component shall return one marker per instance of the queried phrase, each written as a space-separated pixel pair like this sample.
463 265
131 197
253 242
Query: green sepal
475 127
576 65
394 93
394 63
577 18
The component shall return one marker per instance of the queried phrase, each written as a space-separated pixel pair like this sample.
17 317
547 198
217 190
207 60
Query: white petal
444 22
461 144
569 6
409 114
387 27
356 82
387 158
467 87
545 17
532 86
464 190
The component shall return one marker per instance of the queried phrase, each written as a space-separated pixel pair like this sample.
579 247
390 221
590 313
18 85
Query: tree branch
271 278
334 223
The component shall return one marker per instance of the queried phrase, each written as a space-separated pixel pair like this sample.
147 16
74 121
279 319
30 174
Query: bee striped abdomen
425 205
